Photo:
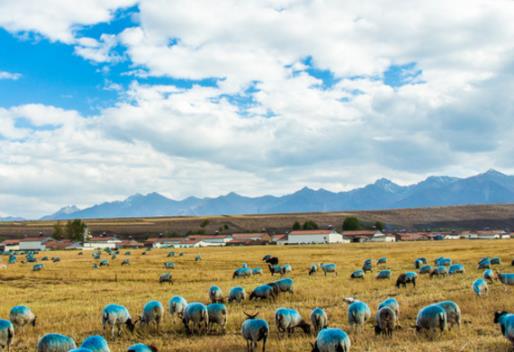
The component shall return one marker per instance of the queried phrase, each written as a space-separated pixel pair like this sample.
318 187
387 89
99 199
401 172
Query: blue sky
106 99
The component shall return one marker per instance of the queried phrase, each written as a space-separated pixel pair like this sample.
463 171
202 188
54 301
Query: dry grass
68 296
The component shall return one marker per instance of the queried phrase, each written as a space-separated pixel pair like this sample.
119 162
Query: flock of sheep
199 318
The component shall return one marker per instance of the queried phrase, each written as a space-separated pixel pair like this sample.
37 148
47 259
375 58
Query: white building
33 243
10 245
381 237
101 243
315 237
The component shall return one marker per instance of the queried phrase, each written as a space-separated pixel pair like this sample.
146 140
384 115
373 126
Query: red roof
164 239
311 232
57 244
35 239
249 236
10 242
207 237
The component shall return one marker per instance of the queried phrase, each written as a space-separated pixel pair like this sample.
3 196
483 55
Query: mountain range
491 187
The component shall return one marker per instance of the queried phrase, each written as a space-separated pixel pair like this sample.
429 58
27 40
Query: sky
107 98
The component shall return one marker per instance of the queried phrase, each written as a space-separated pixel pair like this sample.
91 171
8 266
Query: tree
310 225
58 233
351 223
74 230
379 226
297 226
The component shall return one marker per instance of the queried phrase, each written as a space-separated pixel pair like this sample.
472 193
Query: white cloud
13 76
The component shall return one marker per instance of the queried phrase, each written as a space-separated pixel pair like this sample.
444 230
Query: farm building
314 237
210 240
257 236
369 236
101 243
130 244
10 245
34 243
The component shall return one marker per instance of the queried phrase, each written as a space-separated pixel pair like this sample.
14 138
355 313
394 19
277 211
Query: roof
311 232
360 233
102 239
164 239
250 235
53 244
279 237
10 242
35 239
207 237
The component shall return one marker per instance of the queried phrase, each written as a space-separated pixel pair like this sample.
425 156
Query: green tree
297 226
351 223
204 223
74 230
379 226
58 233
310 225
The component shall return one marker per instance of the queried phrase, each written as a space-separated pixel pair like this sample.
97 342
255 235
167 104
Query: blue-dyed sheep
418 263
480 287
237 294
104 262
368 266
386 321
490 275
263 292
358 313
319 319
506 279
141 347
328 268
313 269
274 269
439 271
177 305
484 263
125 262
253 331
115 316
171 254
96 344
12 259
6 334
128 253
21 316
496 261
506 321
283 285
431 318
242 272
332 340
287 319
382 261
357 274
456 269
405 278
38 267
257 271
196 316
198 258
384 274
56 259
169 265
153 311
425 269
442 261
244 265
80 349
218 315
393 303
453 313
166 277
216 295
287 268
55 343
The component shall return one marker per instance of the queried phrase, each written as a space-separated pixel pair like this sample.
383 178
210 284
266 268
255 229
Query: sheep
405 278
153 312
274 269
171 254
313 269
490 275
328 268
263 292
418 263
197 315
6 334
453 313
512 263
115 316
253 331
104 262
431 318
442 261
386 321
56 259
95 266
242 272
95 344
425 269
21 316
506 279
439 271
287 319
358 313
332 340
217 313
384 274
44 259
177 305
38 267
287 268
496 261
456 269
169 265
237 294
358 274
506 321
283 285
480 287
257 271
423 260
11 260
141 347
216 295
368 266
166 277
128 253
55 343
244 265
270 260
319 319
393 304
381 261
484 263
125 262
80 349
198 258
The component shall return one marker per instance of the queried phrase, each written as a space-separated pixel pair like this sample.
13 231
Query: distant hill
11 219
491 187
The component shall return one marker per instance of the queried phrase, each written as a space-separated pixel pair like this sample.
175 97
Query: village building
101 243
368 236
10 245
34 243
315 237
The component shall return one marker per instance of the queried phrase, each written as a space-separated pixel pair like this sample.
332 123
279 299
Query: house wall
99 245
299 239
32 246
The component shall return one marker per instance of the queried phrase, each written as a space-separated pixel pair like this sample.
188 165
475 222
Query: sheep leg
264 339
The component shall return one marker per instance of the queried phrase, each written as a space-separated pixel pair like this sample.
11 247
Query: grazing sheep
198 258
55 343
405 278
6 334
177 305
431 318
44 259
21 316
56 259
287 319
282 285
197 315
242 272
11 260
386 321
332 340
257 271
496 261
490 275
244 265
441 261
393 304
506 279
358 274
270 260
274 269
95 344
384 274
141 347
38 267
115 316
80 349
287 268
216 295
506 321
418 263
253 331
381 261
480 287
319 319
217 313
171 254
153 312
263 292
128 253
456 269
166 277
425 269
439 271
368 266
423 260
453 313
358 313
237 294
169 265
104 262
313 269
328 268
125 262
484 263
95 266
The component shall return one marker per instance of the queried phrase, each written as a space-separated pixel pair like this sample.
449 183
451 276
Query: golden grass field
68 297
